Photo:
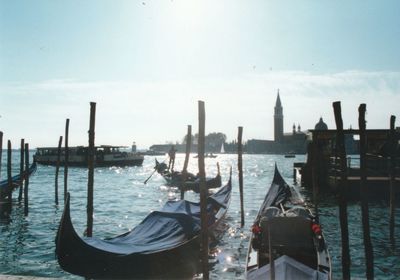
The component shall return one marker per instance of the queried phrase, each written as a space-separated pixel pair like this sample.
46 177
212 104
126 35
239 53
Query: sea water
122 200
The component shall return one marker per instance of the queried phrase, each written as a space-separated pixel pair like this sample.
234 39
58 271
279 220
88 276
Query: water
121 201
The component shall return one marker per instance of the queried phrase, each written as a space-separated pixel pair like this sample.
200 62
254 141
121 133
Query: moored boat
166 244
192 182
286 240
15 180
105 155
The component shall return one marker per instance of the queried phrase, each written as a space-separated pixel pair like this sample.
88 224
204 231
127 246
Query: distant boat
208 155
290 155
222 149
105 155
151 153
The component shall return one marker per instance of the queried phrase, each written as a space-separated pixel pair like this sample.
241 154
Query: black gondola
192 181
286 241
165 244
15 180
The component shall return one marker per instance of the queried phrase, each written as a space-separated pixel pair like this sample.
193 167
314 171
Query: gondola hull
78 256
194 185
191 182
286 239
4 189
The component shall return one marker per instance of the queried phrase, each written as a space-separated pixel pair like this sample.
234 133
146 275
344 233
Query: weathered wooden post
369 254
3 207
89 229
57 169
392 201
1 152
314 173
294 176
342 191
185 164
26 198
9 177
21 170
203 191
240 169
66 159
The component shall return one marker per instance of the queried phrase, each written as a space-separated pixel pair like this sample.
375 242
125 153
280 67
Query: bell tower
278 120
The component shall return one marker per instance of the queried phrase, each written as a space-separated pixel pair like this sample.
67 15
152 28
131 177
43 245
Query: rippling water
121 201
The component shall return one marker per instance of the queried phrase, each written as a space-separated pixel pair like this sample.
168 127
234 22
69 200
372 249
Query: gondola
15 180
165 244
286 240
210 155
192 181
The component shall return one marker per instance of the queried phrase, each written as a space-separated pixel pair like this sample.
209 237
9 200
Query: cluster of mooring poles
91 154
21 180
203 187
364 193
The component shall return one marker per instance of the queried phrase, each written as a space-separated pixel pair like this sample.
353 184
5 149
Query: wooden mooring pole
240 170
66 159
313 149
26 198
392 163
57 169
3 205
1 152
185 164
369 255
21 170
340 147
89 230
9 177
1 155
203 191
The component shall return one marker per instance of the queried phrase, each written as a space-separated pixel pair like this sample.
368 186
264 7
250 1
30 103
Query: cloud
158 111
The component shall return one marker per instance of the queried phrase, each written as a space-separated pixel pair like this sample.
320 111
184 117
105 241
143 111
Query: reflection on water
121 201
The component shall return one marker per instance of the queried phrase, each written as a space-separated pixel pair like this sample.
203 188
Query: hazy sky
147 63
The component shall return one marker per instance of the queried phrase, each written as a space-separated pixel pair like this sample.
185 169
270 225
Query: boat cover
175 223
287 268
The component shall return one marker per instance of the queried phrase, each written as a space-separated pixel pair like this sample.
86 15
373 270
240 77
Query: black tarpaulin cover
175 223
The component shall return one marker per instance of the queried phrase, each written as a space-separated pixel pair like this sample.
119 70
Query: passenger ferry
105 155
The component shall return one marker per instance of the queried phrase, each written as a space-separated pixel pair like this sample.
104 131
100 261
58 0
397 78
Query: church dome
321 125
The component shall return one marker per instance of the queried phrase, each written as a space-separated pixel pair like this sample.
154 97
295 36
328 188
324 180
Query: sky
147 63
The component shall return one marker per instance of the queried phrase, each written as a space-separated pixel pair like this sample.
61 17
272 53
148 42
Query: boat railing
376 165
